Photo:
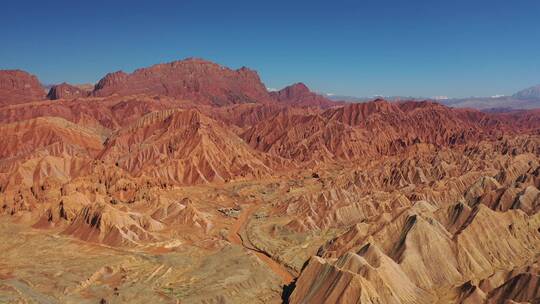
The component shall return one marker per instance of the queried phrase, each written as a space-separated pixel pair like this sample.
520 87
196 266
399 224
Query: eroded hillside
188 182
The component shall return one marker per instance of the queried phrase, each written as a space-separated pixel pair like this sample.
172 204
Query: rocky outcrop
183 146
298 94
101 223
373 128
471 252
18 86
524 287
191 79
44 148
66 91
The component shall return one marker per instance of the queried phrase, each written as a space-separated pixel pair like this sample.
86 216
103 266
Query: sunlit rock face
189 182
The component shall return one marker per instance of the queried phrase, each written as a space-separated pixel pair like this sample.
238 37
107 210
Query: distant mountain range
528 93
299 93
493 103
525 99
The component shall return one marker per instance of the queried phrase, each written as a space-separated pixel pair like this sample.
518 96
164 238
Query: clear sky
360 48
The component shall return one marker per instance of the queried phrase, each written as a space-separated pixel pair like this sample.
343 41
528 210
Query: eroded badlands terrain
189 182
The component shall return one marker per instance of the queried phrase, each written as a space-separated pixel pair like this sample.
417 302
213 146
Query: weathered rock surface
298 94
67 91
189 182
18 86
192 79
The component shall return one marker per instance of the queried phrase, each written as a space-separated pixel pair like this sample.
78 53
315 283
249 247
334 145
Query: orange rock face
189 182
192 79
183 147
17 86
299 94
67 91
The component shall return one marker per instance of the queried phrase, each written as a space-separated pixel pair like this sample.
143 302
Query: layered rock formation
182 147
298 94
18 86
67 91
374 128
189 182
193 79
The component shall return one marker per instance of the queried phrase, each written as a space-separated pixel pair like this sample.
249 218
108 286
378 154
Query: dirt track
235 237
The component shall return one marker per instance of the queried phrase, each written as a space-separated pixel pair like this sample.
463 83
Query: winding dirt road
235 237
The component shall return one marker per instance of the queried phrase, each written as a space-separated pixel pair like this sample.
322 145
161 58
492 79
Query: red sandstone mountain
192 79
188 181
299 94
305 138
183 146
17 86
522 120
44 151
67 91
354 131
102 114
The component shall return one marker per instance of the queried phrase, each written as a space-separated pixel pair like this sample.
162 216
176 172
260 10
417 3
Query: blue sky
361 48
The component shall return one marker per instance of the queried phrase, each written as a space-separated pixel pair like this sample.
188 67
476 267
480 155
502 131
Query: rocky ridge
191 182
